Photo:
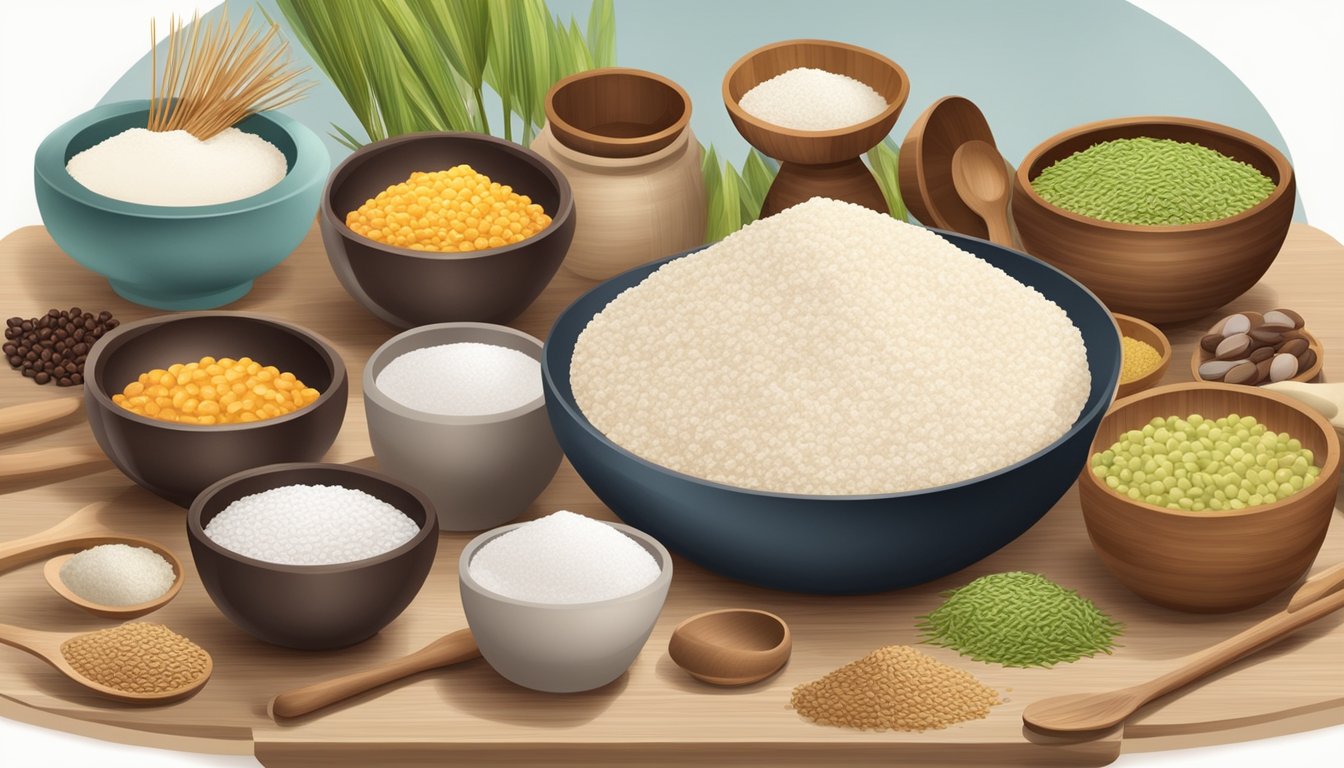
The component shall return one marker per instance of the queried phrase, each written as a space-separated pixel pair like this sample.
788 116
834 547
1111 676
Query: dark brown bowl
616 112
815 147
177 461
312 607
407 288
1160 274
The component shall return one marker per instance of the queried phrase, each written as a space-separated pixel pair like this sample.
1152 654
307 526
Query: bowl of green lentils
1164 218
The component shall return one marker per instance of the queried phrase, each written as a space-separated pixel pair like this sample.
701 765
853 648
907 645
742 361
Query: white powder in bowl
462 379
174 168
311 525
807 99
563 558
831 350
118 574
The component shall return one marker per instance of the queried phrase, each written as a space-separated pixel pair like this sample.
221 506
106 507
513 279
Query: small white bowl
562 648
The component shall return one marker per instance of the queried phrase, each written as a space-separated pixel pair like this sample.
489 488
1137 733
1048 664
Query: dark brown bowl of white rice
312 556
832 401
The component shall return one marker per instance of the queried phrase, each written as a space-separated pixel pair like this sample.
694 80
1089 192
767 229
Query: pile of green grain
1152 182
1019 619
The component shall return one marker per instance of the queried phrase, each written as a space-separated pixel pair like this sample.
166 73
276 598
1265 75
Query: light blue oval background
1034 67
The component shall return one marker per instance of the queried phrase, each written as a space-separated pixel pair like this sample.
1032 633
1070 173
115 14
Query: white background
58 57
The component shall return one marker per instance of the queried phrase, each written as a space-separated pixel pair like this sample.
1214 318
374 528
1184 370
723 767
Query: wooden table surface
655 714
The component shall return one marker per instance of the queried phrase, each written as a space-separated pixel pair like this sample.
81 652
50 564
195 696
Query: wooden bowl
925 164
1201 356
815 147
1135 328
1161 274
1211 561
614 112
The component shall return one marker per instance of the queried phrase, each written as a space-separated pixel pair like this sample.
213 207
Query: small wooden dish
1137 329
924 167
1201 356
815 163
615 112
1197 268
732 646
1211 561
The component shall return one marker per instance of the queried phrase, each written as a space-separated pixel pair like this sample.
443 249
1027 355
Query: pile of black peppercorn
53 347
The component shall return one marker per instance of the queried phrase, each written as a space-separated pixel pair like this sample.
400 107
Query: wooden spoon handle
1000 231
17 418
81 526
31 640
14 465
450 649
1216 657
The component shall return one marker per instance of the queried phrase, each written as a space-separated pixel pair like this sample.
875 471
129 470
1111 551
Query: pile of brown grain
894 688
137 658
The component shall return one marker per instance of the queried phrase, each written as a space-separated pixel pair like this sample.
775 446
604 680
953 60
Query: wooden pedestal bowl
1211 561
1160 274
817 163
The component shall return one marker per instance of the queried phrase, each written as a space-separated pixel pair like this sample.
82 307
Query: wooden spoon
453 648
734 646
17 418
52 572
47 646
77 532
1328 399
981 179
1083 712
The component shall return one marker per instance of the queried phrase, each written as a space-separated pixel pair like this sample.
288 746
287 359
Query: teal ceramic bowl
168 257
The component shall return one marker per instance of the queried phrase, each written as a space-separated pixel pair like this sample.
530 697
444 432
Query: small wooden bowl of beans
1253 348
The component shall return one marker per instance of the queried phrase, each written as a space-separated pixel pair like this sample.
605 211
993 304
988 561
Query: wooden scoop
1328 399
450 649
47 646
735 646
77 532
1083 712
18 418
981 179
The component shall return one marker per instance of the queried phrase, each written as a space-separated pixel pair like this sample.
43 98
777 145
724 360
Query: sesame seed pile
894 688
810 352
138 657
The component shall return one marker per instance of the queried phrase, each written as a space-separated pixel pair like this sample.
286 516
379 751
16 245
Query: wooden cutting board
654 715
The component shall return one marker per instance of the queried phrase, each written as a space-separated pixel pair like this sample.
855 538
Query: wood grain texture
924 166
617 112
655 714
1160 274
982 180
1148 333
630 210
850 181
1214 560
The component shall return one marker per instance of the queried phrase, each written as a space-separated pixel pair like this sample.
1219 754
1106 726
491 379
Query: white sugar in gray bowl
563 559
831 350
462 379
118 575
310 525
808 99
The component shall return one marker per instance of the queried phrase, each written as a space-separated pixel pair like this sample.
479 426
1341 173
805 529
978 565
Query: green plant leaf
884 161
435 93
602 33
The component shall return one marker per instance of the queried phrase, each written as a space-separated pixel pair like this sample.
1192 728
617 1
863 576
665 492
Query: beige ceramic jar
622 138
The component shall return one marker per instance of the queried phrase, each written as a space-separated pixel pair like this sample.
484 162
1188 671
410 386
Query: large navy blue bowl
837 544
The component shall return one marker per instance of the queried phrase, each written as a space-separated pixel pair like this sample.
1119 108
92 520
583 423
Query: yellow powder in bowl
894 688
138 657
1137 359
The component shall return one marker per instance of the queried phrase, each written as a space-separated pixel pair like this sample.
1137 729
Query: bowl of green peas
1209 497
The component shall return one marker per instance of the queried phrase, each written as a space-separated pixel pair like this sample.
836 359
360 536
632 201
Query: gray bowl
479 471
562 648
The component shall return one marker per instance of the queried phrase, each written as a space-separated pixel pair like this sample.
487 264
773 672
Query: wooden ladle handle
81 527
13 465
450 649
17 418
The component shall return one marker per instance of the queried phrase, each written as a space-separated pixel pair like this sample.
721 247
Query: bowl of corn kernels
179 401
446 227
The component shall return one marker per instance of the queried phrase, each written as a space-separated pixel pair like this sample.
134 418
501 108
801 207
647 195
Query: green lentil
1152 182
1199 464
1019 619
